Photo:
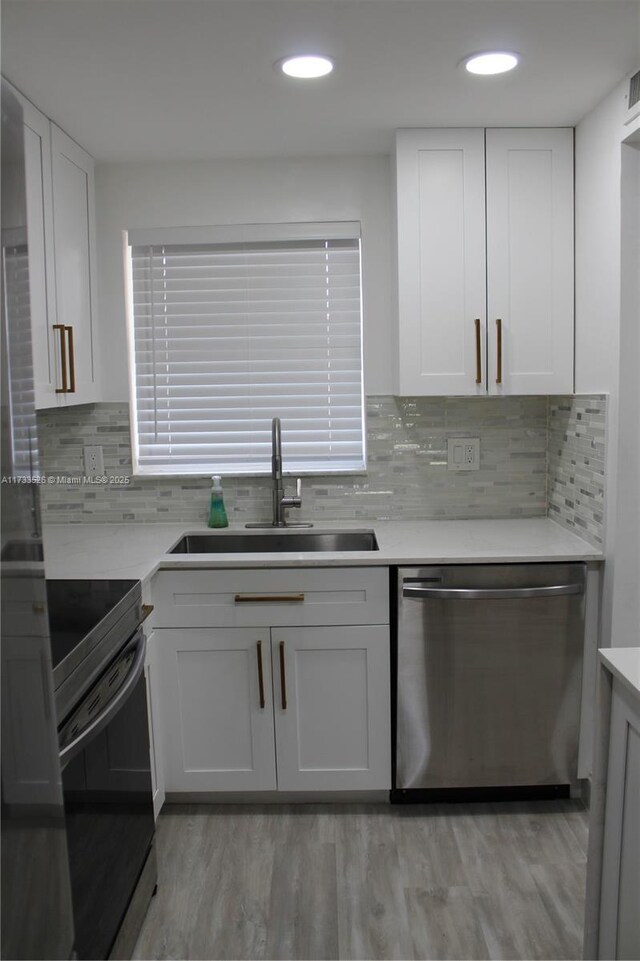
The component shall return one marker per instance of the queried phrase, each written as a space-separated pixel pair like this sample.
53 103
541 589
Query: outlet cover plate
463 453
93 462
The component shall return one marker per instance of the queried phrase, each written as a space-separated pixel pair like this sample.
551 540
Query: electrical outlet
93 462
463 453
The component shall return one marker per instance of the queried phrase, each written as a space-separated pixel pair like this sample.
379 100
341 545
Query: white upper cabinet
62 263
72 172
485 261
441 260
530 260
42 291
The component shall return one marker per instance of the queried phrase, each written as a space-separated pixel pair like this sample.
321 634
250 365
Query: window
234 326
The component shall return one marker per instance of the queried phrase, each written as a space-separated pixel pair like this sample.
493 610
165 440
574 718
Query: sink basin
277 541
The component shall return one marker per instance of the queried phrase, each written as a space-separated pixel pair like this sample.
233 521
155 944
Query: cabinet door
37 150
74 251
530 260
441 261
217 729
331 694
619 916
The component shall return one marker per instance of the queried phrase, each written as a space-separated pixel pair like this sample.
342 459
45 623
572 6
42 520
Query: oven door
108 798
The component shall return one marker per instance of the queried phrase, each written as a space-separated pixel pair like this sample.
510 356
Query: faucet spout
279 500
277 489
276 450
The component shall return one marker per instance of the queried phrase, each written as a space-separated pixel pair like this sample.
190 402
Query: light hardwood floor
369 882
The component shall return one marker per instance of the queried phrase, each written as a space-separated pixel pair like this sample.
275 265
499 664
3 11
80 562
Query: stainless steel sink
277 541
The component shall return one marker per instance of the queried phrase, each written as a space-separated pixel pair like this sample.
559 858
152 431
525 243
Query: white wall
248 191
598 298
626 593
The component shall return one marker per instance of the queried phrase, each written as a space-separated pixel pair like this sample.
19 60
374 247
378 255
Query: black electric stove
88 621
98 649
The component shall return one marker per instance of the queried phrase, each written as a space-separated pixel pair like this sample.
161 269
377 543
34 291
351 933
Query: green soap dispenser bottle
217 513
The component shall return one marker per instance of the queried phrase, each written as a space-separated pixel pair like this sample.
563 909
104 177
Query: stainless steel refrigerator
37 919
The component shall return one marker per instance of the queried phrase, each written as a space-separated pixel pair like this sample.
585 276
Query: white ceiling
194 79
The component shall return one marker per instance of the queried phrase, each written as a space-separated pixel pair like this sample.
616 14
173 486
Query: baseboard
276 797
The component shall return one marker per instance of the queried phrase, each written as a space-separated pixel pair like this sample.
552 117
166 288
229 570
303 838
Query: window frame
235 234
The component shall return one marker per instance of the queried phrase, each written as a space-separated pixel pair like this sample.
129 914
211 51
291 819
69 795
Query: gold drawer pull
478 352
283 679
147 609
72 361
66 336
260 674
63 359
268 598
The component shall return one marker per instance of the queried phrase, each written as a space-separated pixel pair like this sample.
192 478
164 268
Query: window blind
21 395
227 335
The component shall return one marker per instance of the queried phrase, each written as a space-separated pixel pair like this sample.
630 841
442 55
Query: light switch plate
463 453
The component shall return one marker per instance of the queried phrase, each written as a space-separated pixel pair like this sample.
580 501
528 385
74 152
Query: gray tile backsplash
576 488
407 477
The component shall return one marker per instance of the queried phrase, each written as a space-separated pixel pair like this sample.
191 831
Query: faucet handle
293 500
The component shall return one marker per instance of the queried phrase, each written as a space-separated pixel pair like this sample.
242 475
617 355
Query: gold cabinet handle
478 352
63 359
283 679
72 361
499 350
267 598
260 674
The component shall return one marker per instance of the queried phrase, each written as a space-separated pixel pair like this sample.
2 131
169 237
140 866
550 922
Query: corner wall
597 266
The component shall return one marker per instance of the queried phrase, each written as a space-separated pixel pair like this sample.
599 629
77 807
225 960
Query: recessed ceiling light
306 68
498 61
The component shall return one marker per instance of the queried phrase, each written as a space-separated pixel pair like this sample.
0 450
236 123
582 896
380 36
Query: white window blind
228 334
17 342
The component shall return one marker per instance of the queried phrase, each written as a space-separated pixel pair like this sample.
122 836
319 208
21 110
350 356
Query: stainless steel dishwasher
489 672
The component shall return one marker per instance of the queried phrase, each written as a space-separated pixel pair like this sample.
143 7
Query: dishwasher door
489 675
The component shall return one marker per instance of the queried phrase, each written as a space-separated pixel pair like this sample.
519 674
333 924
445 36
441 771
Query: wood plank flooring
369 882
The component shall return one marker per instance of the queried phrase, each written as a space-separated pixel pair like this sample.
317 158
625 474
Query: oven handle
483 593
112 708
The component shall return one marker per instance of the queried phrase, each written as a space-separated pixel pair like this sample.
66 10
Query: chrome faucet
280 501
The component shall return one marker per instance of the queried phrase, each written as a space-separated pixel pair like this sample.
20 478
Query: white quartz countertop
139 550
624 663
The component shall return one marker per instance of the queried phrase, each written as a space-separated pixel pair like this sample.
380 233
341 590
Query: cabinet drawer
283 597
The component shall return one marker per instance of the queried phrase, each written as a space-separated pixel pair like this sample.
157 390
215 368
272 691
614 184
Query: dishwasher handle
418 592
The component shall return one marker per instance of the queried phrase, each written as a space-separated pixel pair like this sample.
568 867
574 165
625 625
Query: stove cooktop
76 608
89 621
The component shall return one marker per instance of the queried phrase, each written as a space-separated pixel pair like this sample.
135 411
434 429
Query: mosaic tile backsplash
406 478
577 429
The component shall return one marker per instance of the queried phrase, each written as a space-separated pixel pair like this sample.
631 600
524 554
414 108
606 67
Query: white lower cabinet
620 885
218 733
331 706
326 689
275 707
